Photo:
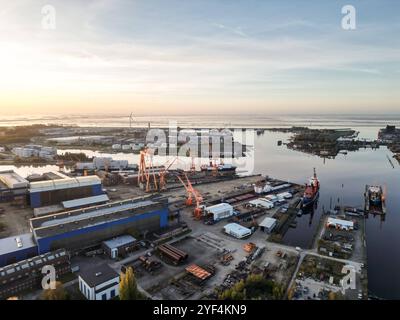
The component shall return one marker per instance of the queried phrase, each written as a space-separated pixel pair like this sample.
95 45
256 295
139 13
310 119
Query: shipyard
189 229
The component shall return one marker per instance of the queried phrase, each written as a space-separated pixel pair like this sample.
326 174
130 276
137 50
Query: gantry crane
146 171
192 193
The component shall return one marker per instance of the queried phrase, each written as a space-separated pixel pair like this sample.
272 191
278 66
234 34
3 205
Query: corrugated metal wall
150 221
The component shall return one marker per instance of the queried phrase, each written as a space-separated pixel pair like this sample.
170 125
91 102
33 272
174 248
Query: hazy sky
203 56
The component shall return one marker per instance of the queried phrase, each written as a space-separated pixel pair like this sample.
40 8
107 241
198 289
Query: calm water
343 179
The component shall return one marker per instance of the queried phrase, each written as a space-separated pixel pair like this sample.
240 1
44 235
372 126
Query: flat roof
46 258
268 222
237 228
98 275
9 245
94 213
59 184
219 207
341 222
12 179
85 201
119 241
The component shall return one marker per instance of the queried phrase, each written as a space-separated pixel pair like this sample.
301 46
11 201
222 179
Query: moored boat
311 193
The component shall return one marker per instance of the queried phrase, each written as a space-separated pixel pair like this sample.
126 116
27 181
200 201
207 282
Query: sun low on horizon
197 57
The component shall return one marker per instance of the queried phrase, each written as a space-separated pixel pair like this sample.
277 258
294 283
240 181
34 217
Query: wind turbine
131 119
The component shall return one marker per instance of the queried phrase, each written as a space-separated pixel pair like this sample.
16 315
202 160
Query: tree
128 287
58 293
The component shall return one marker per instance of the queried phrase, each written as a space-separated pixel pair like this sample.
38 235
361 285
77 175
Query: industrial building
12 186
268 224
51 192
27 274
17 248
99 283
81 228
119 246
237 231
261 203
220 211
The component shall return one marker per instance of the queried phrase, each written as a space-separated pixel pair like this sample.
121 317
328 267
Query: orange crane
192 193
163 182
146 171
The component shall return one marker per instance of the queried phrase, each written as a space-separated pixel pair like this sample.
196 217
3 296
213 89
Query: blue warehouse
82 228
17 248
51 192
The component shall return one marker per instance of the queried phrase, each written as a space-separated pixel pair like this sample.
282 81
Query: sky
199 57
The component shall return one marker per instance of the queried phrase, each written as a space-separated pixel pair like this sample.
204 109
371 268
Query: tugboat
375 200
311 193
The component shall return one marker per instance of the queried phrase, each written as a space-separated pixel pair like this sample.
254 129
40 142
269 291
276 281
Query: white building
268 224
220 211
340 224
99 283
35 151
261 203
2 149
237 231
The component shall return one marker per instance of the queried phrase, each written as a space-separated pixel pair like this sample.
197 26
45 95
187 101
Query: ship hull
308 202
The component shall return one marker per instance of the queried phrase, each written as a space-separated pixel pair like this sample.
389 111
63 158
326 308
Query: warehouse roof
101 210
268 223
34 262
237 229
85 201
74 216
13 180
119 241
60 184
10 244
98 275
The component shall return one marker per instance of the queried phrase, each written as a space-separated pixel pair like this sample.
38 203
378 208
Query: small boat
311 193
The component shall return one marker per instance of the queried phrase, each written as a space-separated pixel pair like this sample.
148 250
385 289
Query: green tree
128 287
58 293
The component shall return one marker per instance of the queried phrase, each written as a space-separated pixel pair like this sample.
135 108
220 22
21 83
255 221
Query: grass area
321 269
254 287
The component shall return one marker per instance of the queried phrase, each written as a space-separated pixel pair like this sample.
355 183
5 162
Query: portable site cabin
220 211
237 231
